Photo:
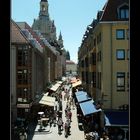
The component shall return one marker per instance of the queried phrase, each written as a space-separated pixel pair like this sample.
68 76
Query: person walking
60 124
66 129
96 135
68 124
69 115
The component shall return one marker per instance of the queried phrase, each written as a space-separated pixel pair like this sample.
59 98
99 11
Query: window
99 80
99 38
87 81
94 42
83 77
19 92
120 54
23 56
99 56
94 58
43 8
82 64
86 61
120 34
124 12
120 81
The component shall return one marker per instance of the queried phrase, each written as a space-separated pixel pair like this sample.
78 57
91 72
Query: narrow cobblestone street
75 133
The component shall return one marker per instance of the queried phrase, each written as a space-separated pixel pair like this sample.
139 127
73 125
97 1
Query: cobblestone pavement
75 133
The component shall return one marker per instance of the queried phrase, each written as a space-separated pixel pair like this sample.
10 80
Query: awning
76 83
80 93
59 82
73 80
83 97
116 118
88 108
55 87
47 100
46 94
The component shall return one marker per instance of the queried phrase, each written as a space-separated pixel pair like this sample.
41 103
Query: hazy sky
71 17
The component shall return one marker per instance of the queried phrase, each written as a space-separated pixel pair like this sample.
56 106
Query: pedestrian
60 124
96 136
68 124
54 117
66 110
69 114
66 129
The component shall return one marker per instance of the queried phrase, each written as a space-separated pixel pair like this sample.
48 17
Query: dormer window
123 12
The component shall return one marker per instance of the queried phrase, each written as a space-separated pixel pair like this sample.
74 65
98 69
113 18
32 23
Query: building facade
71 68
37 60
20 73
105 67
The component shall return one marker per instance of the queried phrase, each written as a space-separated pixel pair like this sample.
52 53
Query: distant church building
44 24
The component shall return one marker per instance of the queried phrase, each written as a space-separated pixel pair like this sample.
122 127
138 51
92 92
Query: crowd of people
66 125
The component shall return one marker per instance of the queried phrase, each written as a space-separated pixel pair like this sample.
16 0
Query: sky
71 17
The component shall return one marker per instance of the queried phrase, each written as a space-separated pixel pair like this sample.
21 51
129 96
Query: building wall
104 66
13 82
71 68
120 97
37 72
109 65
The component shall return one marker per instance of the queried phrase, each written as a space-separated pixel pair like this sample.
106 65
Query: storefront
23 110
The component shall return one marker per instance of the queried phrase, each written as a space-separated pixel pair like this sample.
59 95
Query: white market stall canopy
47 100
56 86
76 83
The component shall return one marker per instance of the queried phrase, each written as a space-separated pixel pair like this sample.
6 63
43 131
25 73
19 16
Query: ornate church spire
44 8
60 40
60 36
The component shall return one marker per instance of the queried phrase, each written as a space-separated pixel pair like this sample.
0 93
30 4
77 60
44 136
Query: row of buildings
104 55
37 59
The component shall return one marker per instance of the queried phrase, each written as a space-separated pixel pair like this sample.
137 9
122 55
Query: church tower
44 8
43 23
